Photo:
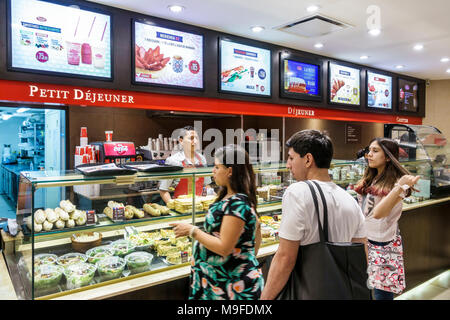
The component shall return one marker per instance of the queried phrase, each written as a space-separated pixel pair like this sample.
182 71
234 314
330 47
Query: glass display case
424 148
82 232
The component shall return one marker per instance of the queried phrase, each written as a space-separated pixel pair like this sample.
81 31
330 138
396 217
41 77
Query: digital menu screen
407 100
50 38
344 84
301 79
244 69
167 57
379 91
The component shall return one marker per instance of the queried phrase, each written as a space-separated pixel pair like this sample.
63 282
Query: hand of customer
181 229
409 180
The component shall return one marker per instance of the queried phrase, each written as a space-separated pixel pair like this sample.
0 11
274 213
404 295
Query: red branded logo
120 148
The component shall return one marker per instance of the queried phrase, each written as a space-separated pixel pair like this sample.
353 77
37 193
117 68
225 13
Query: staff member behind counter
187 158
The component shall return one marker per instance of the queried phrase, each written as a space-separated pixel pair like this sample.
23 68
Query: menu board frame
219 66
418 95
367 91
63 3
167 26
301 96
348 65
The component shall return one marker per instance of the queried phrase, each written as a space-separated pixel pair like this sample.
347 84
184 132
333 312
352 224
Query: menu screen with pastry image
244 69
167 57
300 78
407 100
379 91
344 85
50 38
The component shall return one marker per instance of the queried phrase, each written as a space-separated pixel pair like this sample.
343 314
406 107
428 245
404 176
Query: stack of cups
83 137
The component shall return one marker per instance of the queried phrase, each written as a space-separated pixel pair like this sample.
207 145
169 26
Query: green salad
79 274
45 258
110 267
122 247
95 254
71 258
138 262
47 276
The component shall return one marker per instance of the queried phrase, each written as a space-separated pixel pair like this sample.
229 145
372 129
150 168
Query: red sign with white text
27 92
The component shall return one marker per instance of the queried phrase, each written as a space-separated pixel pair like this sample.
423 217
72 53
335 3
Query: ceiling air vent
314 26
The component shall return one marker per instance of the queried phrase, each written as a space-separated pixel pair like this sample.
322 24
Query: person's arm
384 208
230 231
165 195
257 236
363 241
280 268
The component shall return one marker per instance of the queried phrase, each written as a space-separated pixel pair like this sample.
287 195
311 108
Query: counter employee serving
187 158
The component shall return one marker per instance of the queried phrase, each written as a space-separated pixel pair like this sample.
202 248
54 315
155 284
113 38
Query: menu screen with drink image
301 78
47 37
408 95
167 57
244 69
344 84
379 91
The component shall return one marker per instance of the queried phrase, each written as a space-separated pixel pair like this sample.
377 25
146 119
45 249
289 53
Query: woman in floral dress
224 264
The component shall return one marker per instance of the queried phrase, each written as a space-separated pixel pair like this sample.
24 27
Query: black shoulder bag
327 270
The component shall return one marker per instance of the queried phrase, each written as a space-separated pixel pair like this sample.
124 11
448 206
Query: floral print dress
237 276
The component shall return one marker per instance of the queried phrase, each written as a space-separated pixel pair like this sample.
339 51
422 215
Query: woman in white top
380 193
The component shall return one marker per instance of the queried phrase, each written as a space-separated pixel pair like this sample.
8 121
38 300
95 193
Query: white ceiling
404 23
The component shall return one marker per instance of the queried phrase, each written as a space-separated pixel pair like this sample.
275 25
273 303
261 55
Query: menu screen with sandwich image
46 37
300 79
344 85
167 57
407 100
244 69
379 91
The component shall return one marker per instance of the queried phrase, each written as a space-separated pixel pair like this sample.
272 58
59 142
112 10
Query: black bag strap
325 211
316 205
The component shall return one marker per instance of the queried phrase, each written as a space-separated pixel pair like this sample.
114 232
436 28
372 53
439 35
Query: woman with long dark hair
224 264
384 185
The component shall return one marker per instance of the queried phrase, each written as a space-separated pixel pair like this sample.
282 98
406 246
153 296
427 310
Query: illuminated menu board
300 80
46 37
344 85
167 57
407 100
244 69
379 91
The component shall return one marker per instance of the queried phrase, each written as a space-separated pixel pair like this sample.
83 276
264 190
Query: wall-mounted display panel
244 69
344 85
167 57
47 37
408 95
379 91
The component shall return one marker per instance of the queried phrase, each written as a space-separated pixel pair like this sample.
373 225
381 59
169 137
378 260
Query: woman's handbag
327 270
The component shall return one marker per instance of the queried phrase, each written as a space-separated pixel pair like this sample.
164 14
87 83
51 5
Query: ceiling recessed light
418 47
374 32
445 60
364 57
312 8
257 29
448 70
318 45
175 8
399 66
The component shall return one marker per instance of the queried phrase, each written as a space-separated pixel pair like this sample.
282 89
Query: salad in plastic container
95 254
110 267
71 258
138 262
79 274
47 276
122 247
45 258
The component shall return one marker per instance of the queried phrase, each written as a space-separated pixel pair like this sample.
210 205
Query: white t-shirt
177 160
384 229
299 218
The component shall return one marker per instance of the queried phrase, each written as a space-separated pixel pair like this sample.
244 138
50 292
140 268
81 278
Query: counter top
412 206
17 168
7 291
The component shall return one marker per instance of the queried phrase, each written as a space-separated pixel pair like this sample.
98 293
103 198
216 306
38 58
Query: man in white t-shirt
309 158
